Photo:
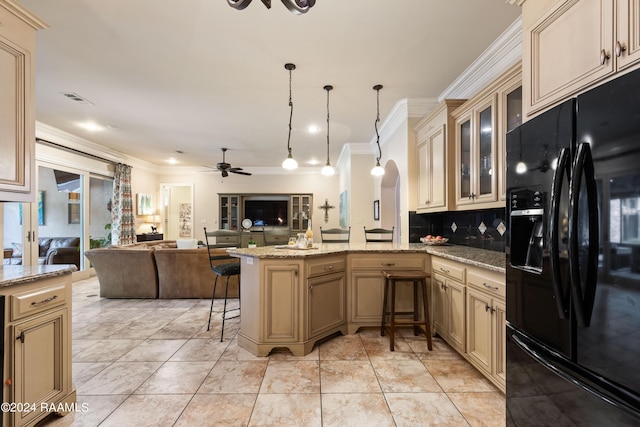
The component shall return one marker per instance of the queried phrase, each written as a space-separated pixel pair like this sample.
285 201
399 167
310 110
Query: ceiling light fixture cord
291 111
328 88
328 170
289 162
377 169
377 89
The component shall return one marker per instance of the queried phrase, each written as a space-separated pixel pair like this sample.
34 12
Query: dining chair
220 239
335 235
378 234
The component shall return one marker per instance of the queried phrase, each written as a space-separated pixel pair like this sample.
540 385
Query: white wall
207 186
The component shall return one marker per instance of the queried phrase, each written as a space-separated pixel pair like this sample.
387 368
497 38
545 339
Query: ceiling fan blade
239 171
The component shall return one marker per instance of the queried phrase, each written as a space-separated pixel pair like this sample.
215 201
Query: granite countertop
490 260
11 275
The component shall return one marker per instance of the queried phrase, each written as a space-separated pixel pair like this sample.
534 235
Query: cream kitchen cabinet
37 342
288 309
326 295
448 294
366 286
486 322
571 45
481 124
434 153
17 107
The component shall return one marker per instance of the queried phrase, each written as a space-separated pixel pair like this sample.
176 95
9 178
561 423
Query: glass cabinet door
465 160
229 212
485 151
300 212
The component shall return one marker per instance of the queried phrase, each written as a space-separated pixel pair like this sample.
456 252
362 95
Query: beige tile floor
153 363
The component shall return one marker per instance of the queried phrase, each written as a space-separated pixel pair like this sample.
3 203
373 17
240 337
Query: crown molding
502 54
53 134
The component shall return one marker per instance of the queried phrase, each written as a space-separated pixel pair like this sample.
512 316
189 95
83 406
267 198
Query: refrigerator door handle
583 299
562 171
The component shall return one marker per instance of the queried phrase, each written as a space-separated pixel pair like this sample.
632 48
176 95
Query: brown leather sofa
59 250
156 269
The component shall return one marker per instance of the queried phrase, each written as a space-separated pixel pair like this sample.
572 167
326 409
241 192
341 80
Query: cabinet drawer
325 266
389 262
30 302
448 268
487 281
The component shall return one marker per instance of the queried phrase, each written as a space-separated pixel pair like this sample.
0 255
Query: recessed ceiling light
313 128
314 162
172 161
91 126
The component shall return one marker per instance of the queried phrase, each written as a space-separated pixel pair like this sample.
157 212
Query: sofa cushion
64 242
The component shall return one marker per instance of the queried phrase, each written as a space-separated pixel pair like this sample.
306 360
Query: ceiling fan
225 167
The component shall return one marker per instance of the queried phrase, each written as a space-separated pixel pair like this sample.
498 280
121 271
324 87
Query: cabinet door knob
620 48
604 57
21 337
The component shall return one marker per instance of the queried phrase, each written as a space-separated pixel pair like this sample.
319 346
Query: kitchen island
36 313
292 298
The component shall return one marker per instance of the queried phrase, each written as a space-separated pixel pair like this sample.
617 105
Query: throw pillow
17 249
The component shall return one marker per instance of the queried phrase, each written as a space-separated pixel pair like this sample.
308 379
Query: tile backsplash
486 229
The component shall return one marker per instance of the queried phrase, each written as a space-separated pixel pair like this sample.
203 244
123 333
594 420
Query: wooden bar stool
419 279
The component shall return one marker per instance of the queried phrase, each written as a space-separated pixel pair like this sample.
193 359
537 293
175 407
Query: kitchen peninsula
292 298
36 313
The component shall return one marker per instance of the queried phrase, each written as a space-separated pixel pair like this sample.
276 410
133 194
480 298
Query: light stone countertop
490 260
11 275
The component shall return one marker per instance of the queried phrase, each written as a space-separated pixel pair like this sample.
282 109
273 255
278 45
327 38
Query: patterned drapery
122 220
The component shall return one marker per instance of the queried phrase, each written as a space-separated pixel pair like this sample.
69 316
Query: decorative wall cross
326 208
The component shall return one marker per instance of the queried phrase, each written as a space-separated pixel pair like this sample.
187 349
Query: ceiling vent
77 98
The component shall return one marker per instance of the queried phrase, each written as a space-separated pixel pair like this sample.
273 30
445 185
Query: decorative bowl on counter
434 241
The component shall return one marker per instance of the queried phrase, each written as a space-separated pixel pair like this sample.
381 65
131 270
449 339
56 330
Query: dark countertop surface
490 260
11 275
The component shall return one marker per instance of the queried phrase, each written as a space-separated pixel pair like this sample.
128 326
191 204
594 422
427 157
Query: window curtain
122 220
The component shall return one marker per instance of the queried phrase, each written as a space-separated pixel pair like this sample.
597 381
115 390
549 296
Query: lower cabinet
295 304
326 296
449 301
37 358
469 314
366 286
486 322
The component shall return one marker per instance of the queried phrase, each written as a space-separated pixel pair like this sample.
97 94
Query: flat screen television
267 212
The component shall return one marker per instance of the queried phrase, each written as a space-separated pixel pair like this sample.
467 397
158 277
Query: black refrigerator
573 262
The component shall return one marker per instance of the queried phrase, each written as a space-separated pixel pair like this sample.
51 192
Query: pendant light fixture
328 169
289 162
377 169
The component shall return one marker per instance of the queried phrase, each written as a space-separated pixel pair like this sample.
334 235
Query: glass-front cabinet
481 125
229 212
300 212
475 143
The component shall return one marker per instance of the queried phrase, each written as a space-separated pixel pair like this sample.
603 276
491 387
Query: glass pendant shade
377 170
290 163
327 170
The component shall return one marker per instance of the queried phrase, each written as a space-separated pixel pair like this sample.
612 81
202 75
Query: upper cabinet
434 154
570 45
481 125
17 104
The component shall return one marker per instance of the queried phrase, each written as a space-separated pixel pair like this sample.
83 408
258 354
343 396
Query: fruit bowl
434 241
